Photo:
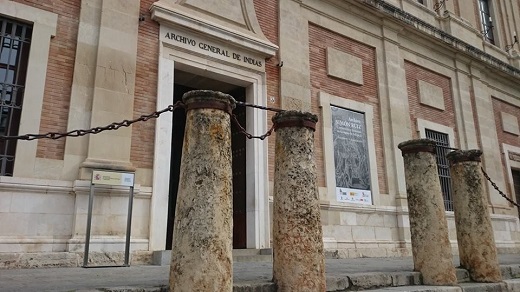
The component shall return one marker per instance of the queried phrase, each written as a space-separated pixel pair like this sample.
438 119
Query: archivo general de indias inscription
351 156
210 48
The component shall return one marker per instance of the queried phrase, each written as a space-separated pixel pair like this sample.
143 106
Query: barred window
443 166
15 40
486 20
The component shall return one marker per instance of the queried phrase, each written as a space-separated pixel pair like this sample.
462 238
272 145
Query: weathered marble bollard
202 240
298 260
431 247
477 249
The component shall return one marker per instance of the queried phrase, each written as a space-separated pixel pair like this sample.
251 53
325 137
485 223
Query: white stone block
42 203
390 220
363 233
344 66
348 218
430 95
502 235
370 219
510 123
5 201
383 233
403 221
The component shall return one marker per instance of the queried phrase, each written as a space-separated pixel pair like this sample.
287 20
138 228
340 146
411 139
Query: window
423 2
486 20
15 39
443 165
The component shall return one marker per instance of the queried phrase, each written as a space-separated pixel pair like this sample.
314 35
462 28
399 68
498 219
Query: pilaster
295 88
488 136
114 82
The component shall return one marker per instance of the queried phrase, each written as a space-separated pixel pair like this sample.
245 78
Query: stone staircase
252 255
411 281
162 258
402 281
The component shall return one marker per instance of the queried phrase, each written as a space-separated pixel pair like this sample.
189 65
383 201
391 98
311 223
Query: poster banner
351 156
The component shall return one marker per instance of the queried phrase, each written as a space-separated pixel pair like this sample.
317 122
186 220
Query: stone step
252 255
420 288
162 257
252 251
512 285
401 281
252 258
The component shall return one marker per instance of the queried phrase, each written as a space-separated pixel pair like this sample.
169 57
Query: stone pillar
430 243
112 88
202 240
477 250
298 261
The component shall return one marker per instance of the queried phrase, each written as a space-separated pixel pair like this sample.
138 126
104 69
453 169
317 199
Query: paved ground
71 279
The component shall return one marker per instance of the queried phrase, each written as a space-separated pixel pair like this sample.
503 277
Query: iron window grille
486 20
15 41
443 166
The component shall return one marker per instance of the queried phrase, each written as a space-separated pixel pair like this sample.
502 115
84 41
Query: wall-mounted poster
351 156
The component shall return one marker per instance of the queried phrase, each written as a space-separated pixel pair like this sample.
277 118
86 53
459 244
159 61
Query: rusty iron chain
489 179
95 130
243 131
142 118
498 190
248 135
241 103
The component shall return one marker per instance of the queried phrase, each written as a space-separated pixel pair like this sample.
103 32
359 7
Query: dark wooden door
516 183
238 146
178 124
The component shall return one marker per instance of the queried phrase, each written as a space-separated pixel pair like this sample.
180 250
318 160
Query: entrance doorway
184 82
516 183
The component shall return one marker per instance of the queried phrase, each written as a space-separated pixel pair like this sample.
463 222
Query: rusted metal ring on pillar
296 123
453 158
210 104
417 149
464 159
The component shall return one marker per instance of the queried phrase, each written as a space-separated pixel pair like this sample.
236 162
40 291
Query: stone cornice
446 38
251 41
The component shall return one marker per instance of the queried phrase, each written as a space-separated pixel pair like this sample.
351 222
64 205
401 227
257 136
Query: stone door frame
257 187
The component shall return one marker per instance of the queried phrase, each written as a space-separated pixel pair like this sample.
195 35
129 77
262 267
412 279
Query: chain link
143 118
241 103
243 131
249 136
95 130
498 190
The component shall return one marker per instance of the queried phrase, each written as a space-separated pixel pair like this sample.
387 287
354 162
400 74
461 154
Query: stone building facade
375 72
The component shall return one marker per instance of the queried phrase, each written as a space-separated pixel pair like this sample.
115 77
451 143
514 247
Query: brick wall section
505 137
145 95
320 39
60 70
417 110
500 106
267 15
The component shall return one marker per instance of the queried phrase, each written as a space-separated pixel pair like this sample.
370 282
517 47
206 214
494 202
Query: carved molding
238 26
